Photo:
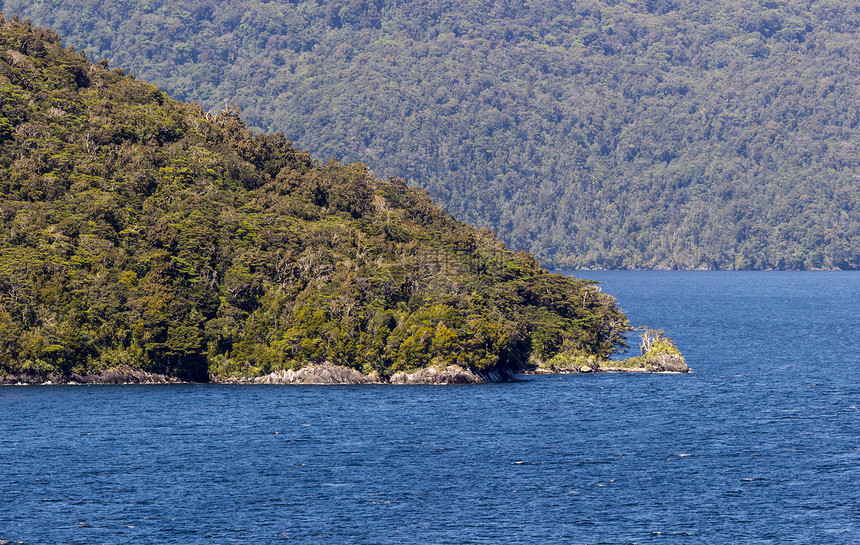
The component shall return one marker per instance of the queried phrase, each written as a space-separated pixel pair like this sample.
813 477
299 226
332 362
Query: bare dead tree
649 337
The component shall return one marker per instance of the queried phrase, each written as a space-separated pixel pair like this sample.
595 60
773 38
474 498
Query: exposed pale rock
432 375
123 375
317 374
670 363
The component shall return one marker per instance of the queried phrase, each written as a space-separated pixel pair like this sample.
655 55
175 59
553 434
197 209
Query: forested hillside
140 232
594 133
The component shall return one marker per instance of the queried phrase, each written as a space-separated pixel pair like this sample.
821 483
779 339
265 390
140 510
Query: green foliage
663 346
654 345
596 133
6 129
572 361
139 231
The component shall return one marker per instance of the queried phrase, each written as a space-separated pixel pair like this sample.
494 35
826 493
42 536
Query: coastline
117 375
327 374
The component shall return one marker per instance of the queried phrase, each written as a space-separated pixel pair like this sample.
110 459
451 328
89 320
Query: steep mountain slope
594 133
142 232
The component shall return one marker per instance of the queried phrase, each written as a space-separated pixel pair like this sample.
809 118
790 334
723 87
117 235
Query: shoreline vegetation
144 239
327 374
659 355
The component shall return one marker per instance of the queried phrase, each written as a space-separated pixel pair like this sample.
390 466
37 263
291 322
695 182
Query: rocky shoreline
659 363
119 375
328 374
333 374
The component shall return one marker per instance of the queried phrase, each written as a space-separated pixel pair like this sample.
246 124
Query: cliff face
141 233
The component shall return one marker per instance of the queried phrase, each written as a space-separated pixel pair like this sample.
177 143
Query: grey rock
670 363
317 374
119 375
452 374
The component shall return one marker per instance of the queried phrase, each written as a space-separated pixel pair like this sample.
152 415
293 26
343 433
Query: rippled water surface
758 445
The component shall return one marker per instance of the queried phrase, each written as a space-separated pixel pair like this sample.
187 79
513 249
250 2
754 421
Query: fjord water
758 445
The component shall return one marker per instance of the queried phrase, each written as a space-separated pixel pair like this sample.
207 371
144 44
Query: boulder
122 375
431 375
669 363
317 374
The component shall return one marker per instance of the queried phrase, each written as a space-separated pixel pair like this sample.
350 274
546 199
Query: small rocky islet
145 240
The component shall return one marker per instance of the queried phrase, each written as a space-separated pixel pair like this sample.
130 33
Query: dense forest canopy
592 133
139 231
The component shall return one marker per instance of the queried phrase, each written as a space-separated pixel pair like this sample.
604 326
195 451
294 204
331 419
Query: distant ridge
594 134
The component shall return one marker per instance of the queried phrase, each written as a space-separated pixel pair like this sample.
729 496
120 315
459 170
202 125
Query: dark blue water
758 445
